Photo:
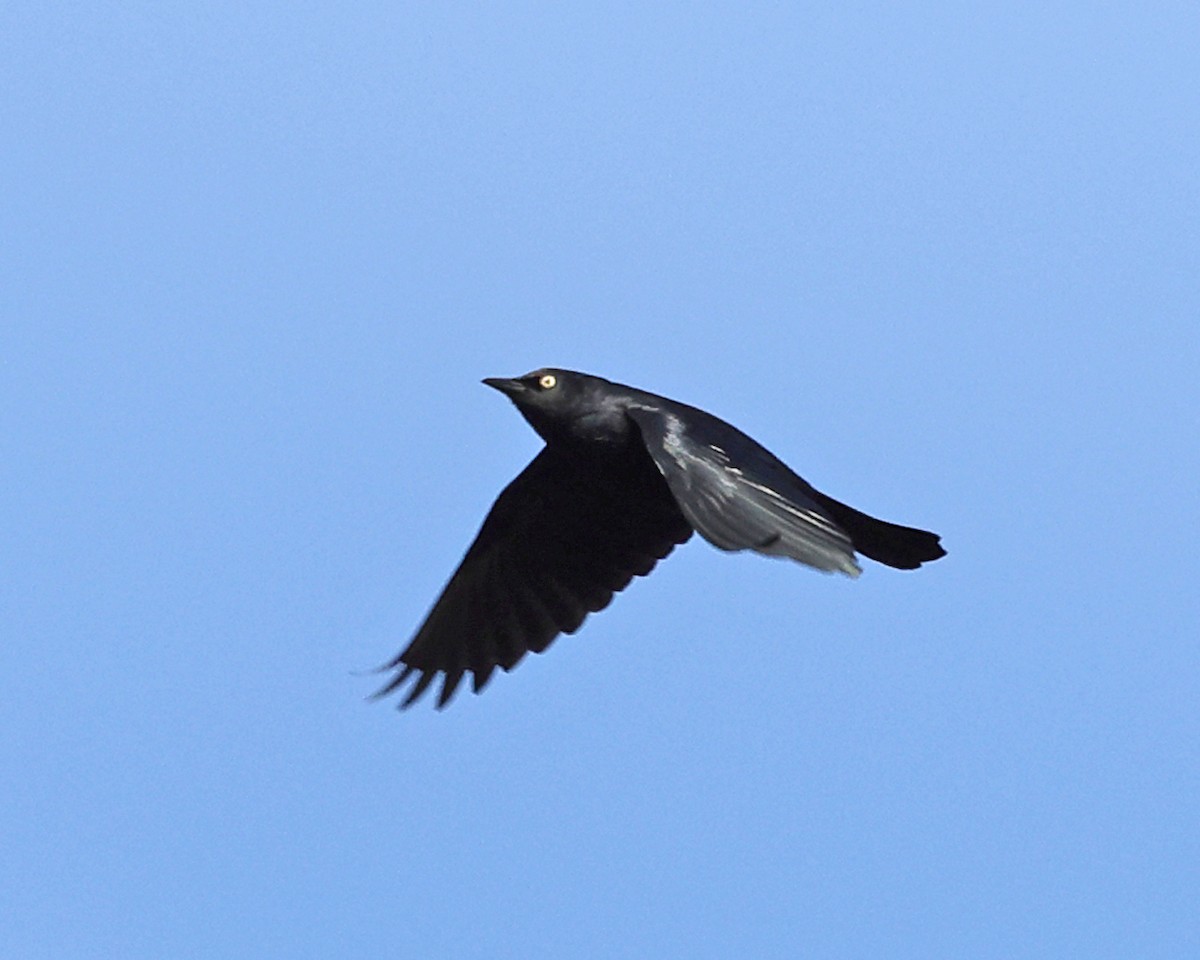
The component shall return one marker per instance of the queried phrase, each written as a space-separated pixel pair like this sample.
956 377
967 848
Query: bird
624 477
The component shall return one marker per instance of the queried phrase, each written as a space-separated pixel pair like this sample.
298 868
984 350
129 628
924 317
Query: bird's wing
559 541
747 502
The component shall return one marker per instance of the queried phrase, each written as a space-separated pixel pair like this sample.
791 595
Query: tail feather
905 548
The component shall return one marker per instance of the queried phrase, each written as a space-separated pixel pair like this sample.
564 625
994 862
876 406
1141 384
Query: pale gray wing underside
761 507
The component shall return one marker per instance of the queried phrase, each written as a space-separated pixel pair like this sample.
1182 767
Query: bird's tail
905 548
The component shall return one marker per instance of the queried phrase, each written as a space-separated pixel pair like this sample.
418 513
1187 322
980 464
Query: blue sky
943 259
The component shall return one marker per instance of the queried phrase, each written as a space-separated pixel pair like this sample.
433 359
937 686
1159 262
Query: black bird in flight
625 476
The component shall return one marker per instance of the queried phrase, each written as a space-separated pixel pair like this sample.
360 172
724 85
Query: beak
508 387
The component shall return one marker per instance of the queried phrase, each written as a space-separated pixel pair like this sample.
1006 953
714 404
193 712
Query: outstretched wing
560 540
737 495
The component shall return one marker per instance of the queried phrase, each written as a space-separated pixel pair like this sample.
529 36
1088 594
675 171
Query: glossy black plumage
624 477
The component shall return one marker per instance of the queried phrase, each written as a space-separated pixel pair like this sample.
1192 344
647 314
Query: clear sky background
944 259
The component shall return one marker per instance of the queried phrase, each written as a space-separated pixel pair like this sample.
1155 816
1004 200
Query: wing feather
751 502
559 541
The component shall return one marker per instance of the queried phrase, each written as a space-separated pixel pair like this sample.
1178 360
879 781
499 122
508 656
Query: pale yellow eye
547 380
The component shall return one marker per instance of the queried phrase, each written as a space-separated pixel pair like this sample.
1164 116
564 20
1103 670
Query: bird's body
625 476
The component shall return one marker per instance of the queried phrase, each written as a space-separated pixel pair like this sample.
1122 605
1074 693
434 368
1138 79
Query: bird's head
560 404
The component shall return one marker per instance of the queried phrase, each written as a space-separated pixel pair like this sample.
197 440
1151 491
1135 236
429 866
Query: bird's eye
547 380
